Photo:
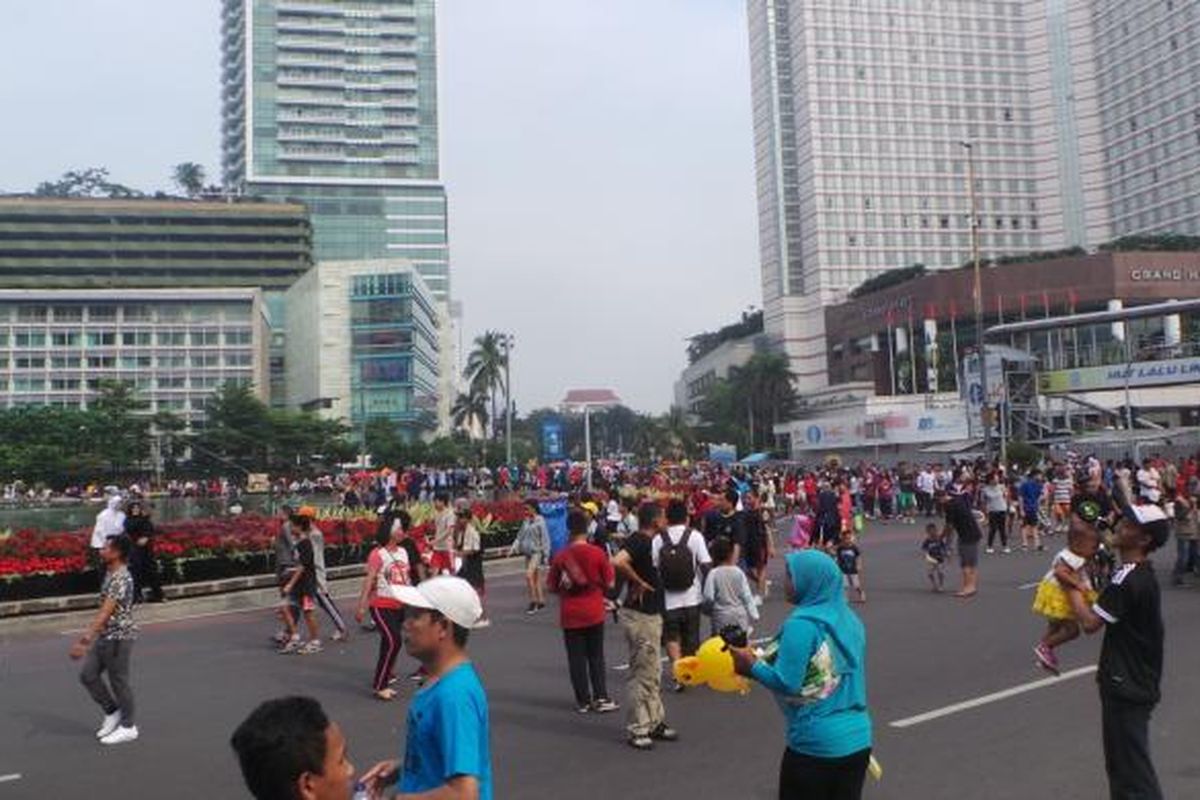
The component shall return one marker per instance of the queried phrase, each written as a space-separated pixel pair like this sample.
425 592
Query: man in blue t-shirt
447 743
1031 490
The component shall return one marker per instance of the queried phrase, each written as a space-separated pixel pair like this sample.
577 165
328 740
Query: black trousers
810 778
1126 729
998 524
143 567
585 660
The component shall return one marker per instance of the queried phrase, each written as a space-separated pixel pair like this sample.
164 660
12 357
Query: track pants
329 607
110 656
389 623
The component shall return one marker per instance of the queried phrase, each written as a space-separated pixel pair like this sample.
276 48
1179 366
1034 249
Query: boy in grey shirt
727 594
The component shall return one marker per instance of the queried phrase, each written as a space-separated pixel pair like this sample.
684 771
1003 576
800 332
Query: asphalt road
195 679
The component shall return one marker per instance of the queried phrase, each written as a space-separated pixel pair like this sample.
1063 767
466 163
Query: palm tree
485 369
470 413
189 176
766 386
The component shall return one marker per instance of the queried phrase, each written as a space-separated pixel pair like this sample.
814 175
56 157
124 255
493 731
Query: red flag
1022 305
930 311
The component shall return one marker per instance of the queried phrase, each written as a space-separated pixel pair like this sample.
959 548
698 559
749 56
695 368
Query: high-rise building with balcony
334 104
1079 117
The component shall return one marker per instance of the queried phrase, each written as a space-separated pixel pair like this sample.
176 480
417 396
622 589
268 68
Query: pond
162 509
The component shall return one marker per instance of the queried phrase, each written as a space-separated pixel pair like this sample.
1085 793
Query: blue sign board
553 448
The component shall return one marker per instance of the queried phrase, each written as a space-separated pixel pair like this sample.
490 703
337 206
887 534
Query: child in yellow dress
1069 568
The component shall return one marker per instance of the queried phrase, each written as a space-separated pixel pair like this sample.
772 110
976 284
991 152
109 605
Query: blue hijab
820 599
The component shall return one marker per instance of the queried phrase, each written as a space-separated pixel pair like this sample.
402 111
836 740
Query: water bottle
360 792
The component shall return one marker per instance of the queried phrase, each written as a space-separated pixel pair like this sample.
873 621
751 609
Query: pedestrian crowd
694 544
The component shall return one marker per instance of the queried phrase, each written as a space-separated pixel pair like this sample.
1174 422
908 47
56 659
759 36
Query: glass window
136 339
101 338
204 338
65 338
64 362
31 313
234 338
68 313
238 359
29 339
102 313
172 338
385 370
138 313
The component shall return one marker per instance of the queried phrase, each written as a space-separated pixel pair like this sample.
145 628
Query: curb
42 606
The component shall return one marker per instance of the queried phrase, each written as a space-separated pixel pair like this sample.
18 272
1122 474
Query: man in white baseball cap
447 745
1131 657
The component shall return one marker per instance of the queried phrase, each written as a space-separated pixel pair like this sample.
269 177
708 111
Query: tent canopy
755 458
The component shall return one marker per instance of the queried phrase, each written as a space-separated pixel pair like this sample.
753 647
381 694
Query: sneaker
1046 658
664 733
111 723
291 646
121 735
604 706
583 709
677 687
533 607
386 695
310 647
418 676
642 742
1008 551
339 636
991 551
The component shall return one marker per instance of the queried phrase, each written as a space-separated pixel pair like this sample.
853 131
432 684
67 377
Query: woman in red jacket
580 574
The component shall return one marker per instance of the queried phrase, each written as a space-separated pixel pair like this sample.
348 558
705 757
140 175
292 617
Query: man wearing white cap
447 752
1131 656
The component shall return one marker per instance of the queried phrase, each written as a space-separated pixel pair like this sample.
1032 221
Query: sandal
386 695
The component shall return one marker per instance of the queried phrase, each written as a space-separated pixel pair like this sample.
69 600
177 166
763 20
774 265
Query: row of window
34 384
127 338
128 361
80 313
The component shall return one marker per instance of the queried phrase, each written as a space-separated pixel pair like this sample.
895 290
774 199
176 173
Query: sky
597 155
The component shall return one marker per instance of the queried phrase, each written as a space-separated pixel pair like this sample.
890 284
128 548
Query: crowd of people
690 543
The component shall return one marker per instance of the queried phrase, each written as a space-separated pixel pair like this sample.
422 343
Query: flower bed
36 564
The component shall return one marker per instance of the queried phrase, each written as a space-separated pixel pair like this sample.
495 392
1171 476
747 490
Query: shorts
303 602
968 554
908 500
1062 510
1030 517
683 625
1051 600
534 561
441 561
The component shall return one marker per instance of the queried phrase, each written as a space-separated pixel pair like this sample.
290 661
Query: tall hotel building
333 104
1082 119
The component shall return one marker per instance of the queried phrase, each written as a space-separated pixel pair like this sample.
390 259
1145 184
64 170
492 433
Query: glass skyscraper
334 104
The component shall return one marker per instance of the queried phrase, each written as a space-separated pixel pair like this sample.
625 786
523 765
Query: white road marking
994 697
1029 585
16 776
625 667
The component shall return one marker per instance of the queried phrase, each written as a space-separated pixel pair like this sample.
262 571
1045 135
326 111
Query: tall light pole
981 357
507 339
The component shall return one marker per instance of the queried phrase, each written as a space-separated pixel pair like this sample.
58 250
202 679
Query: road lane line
1028 585
16 776
994 697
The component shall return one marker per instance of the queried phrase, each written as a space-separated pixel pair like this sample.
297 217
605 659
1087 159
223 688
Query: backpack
676 563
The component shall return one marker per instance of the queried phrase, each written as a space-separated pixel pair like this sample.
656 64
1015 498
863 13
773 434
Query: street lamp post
981 356
508 340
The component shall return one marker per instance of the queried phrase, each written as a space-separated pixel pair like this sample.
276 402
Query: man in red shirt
580 574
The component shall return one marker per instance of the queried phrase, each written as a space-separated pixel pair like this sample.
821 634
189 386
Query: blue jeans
1187 557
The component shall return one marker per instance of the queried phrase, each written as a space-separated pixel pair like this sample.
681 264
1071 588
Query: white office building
1080 119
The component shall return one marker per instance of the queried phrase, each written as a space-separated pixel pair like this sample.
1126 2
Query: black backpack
676 563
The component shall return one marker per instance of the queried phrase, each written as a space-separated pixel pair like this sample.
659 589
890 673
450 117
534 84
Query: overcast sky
597 154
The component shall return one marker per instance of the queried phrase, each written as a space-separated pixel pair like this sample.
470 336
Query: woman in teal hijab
817 673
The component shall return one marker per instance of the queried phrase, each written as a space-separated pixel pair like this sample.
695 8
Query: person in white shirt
109 522
681 557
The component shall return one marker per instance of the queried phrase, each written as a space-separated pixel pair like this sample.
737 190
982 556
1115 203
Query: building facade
334 105
363 343
174 346
78 243
715 365
1075 117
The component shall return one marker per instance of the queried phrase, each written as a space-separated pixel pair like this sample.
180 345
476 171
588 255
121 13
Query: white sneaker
990 551
121 735
111 723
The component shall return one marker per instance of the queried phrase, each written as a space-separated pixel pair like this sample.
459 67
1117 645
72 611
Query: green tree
485 370
235 432
121 431
745 408
89 182
189 176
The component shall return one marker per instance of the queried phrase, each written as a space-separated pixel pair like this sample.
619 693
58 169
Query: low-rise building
174 346
711 358
363 343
